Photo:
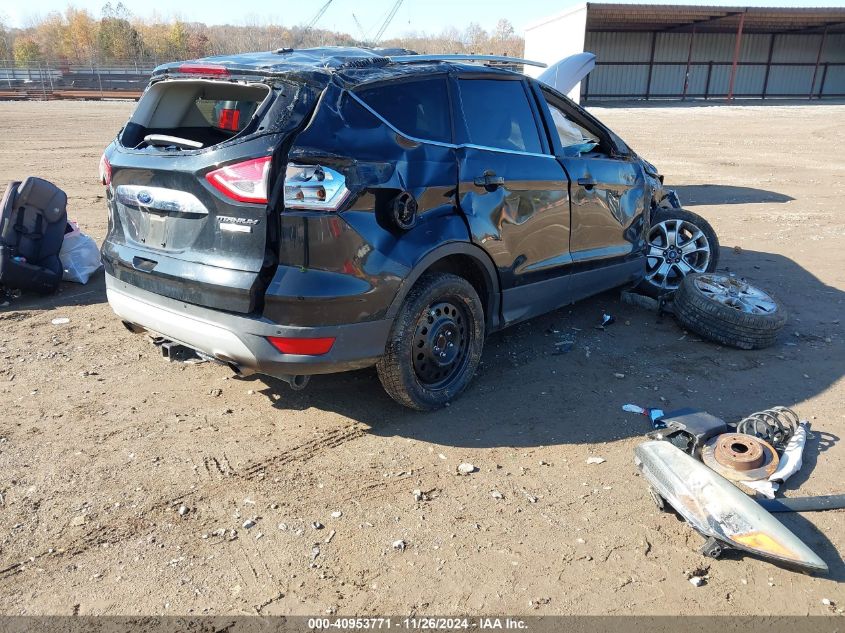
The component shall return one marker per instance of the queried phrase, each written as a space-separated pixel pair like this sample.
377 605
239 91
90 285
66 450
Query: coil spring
775 425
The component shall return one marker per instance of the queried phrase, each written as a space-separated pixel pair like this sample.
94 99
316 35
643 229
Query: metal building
698 52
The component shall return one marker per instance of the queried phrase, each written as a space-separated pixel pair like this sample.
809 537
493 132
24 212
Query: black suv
314 211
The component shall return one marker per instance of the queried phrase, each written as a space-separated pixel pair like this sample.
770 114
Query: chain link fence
60 80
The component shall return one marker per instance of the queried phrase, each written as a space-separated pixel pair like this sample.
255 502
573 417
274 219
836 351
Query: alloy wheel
676 248
735 293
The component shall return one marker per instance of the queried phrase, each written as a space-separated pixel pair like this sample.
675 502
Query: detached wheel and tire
680 243
729 311
435 343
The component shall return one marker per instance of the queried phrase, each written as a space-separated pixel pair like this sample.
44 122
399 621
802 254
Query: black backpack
33 219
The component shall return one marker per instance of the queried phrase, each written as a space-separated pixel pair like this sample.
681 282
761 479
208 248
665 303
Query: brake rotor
740 457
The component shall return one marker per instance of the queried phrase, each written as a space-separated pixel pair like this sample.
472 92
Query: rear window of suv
200 111
497 114
415 108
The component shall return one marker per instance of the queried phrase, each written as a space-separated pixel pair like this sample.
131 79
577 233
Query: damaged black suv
305 212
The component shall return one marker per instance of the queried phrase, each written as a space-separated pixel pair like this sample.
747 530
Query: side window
417 108
570 133
497 114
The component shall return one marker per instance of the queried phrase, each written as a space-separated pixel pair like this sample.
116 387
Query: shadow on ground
692 195
69 294
526 395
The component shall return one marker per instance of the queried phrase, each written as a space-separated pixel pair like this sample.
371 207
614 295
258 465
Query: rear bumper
241 340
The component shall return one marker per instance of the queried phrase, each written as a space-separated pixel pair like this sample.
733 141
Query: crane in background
360 29
311 23
391 14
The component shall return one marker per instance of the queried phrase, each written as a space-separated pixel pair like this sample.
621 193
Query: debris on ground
564 347
466 468
60 321
33 222
640 300
717 509
183 510
740 458
776 425
688 429
698 577
652 414
804 504
79 255
606 319
596 460
399 545
249 523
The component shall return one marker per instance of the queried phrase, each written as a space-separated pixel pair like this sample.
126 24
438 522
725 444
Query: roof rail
409 59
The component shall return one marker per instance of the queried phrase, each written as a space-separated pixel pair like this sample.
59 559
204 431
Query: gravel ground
102 441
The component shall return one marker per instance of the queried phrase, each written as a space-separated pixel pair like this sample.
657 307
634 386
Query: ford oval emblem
144 197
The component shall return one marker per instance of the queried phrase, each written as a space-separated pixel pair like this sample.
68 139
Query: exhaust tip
299 382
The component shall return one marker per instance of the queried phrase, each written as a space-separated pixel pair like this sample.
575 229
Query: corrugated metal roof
712 19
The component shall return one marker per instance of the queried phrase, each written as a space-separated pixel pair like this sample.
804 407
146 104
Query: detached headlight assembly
719 510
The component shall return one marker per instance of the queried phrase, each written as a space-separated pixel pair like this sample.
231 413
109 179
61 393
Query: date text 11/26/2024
423 623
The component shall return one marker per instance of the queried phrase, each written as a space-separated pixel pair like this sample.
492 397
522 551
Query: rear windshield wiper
162 140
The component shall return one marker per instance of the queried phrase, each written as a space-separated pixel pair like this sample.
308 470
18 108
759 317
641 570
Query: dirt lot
102 440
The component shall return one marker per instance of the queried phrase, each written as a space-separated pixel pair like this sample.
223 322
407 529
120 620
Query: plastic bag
80 256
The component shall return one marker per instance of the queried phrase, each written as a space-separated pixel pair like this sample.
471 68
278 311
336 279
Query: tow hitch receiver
175 351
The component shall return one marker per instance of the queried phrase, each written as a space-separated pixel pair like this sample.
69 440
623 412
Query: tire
435 343
702 307
656 284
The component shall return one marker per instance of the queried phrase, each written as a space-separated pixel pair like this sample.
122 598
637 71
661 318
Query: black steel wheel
441 343
435 343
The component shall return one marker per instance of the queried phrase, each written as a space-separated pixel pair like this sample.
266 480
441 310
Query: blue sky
414 15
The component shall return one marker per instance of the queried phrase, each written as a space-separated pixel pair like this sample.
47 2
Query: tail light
306 186
229 119
244 182
105 171
302 346
314 187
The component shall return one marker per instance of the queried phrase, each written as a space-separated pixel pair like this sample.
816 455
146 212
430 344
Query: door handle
490 181
587 183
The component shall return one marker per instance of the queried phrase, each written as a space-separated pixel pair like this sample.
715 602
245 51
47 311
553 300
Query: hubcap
676 249
736 294
441 341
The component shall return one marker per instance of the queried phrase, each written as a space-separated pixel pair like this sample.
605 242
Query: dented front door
608 198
